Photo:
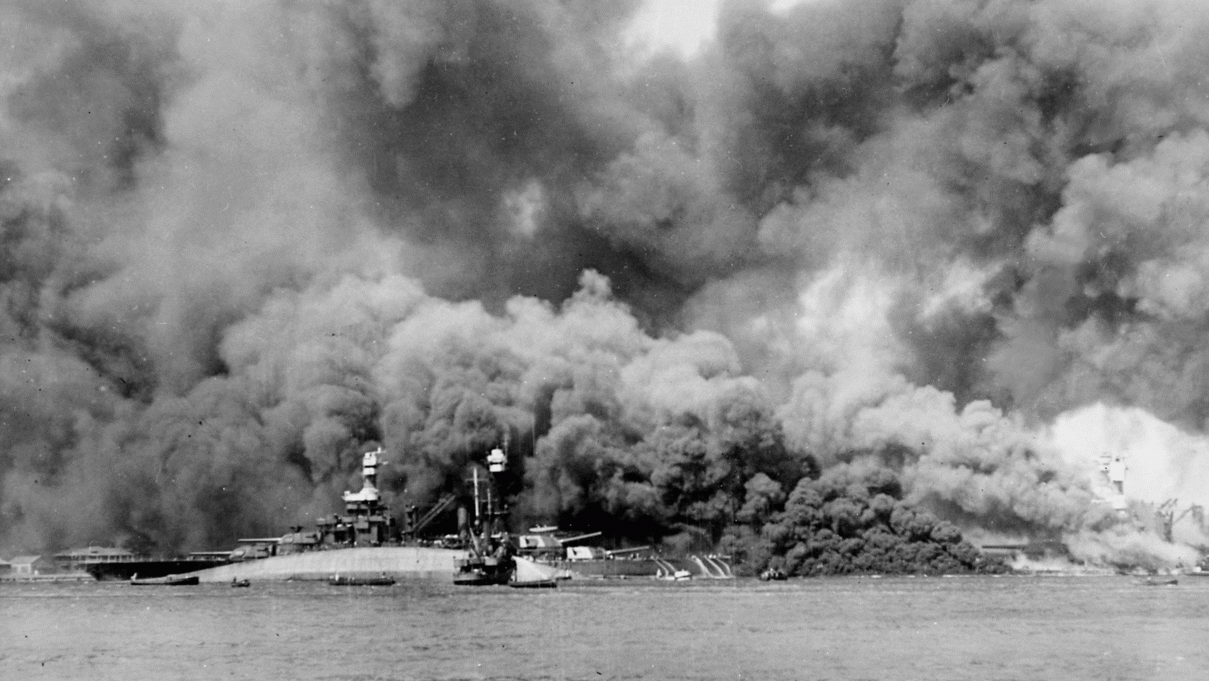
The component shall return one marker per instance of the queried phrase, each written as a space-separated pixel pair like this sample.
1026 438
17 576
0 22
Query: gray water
981 628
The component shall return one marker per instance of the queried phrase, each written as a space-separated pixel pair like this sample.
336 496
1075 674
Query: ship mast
490 560
478 511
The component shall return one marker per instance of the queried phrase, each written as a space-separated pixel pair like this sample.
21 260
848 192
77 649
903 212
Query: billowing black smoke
243 242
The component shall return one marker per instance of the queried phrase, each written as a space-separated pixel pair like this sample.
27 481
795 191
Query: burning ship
546 545
363 541
494 557
490 560
366 541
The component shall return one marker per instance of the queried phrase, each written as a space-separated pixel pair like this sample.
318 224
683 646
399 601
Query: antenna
477 509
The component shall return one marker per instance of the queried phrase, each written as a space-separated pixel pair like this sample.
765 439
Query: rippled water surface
858 628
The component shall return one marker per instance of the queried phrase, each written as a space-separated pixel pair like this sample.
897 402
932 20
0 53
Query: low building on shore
83 558
32 565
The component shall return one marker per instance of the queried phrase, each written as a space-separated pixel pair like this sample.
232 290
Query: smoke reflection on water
997 628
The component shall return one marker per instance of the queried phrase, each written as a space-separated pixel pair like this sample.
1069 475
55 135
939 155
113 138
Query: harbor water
986 628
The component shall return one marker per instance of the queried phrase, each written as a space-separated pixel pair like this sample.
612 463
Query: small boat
674 576
773 574
474 571
356 580
1160 582
170 580
529 574
535 584
241 582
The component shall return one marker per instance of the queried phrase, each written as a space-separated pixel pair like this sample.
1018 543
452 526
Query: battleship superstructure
364 540
366 520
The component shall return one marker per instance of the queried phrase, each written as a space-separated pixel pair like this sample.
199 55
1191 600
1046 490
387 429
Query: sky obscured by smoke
243 241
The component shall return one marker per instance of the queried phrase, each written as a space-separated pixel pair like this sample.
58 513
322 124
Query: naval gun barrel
589 535
632 550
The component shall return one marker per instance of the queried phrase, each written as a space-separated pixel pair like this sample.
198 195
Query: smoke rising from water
243 242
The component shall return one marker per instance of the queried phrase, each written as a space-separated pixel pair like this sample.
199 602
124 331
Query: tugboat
490 553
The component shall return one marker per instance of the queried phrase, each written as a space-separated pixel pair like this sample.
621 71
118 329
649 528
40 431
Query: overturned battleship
365 540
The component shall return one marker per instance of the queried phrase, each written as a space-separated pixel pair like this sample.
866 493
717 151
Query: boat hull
536 584
479 579
53 577
400 562
151 567
348 580
170 580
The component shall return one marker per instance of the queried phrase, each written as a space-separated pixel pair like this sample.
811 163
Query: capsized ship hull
400 562
358 545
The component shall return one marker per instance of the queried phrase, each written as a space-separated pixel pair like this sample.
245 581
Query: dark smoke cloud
853 519
243 242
